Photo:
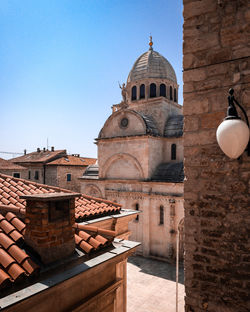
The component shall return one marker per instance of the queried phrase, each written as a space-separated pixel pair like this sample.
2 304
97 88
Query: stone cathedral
140 155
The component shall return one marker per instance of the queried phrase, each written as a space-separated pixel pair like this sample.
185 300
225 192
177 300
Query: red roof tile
16 264
86 207
70 160
42 156
8 165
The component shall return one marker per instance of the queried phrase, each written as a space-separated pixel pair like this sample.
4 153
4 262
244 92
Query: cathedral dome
151 64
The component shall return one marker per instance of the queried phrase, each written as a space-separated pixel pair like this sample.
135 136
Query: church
140 155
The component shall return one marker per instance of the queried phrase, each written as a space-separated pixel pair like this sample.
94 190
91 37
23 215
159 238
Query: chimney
44 149
25 152
49 219
52 148
38 150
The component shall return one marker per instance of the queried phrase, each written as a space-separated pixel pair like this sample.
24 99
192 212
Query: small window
163 90
68 177
16 174
173 152
29 175
36 177
142 91
171 93
133 94
175 95
137 208
161 215
153 90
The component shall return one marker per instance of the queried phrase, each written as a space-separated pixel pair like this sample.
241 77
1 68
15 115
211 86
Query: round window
124 122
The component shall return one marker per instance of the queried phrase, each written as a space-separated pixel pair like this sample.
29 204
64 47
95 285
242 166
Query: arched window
133 93
163 90
142 91
173 151
175 95
161 215
153 90
137 208
171 93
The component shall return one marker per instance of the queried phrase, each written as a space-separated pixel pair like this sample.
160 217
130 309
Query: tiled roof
92 172
86 207
169 172
151 64
174 127
150 125
8 165
73 161
17 265
42 156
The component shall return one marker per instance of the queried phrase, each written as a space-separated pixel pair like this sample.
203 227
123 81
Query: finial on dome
150 43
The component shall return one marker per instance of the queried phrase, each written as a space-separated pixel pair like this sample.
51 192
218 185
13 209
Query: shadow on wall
158 268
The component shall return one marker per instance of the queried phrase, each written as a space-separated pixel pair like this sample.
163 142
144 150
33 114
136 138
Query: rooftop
19 264
169 172
8 165
86 207
71 160
151 64
43 156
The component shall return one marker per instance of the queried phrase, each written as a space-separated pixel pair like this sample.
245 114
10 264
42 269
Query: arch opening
163 90
153 90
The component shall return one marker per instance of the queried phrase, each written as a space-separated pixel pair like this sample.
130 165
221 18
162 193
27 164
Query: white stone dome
151 64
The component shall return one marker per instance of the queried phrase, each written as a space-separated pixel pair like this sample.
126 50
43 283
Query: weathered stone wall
158 240
10 172
216 191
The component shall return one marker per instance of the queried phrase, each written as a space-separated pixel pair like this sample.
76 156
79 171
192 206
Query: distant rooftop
71 160
43 156
8 165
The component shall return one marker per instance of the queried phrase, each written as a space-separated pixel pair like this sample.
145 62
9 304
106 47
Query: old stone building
216 190
65 171
36 162
140 154
7 167
53 167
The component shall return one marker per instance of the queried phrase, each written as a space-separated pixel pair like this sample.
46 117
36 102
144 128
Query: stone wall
216 191
158 240
57 176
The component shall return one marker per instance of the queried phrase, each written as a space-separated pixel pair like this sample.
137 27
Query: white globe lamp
233 133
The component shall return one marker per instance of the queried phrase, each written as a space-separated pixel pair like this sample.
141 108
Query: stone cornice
141 194
137 137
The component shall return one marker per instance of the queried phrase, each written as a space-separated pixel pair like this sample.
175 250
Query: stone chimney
38 150
49 219
52 149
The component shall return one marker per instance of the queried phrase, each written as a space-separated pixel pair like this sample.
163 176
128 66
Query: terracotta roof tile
42 156
16 264
87 207
71 160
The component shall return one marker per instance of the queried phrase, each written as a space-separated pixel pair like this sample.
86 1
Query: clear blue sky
61 60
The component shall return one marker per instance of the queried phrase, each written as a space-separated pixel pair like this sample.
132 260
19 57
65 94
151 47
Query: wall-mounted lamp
233 133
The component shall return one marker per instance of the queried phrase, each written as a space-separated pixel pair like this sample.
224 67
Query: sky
61 60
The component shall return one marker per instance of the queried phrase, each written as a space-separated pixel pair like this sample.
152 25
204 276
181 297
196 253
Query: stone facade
135 140
57 176
216 191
